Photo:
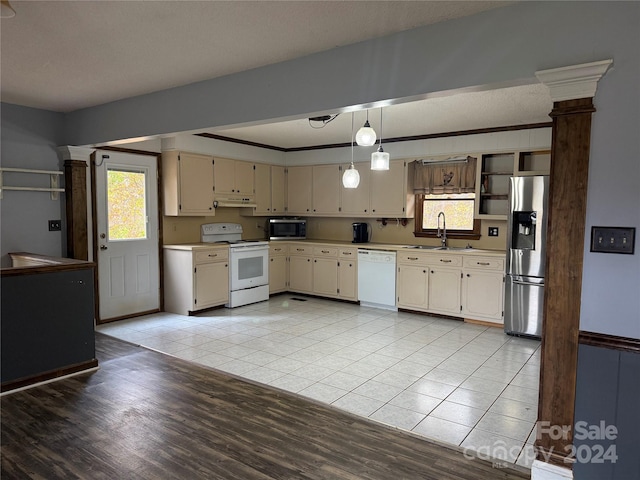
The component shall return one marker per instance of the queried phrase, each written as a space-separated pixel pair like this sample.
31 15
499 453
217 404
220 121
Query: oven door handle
250 249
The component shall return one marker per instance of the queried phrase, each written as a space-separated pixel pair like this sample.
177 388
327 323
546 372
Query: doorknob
103 247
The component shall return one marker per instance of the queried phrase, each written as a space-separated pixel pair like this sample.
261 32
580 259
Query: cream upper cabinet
355 201
391 191
326 182
299 187
187 181
263 189
278 190
483 288
233 177
270 191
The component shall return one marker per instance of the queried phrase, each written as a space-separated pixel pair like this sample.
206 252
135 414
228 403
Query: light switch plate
613 239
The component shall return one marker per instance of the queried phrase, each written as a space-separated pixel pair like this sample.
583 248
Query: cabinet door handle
412 258
347 253
325 251
272 259
213 255
300 249
483 263
445 261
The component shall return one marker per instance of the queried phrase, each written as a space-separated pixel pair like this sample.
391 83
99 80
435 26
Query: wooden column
75 177
571 133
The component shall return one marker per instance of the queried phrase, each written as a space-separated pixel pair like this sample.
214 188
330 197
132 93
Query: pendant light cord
352 139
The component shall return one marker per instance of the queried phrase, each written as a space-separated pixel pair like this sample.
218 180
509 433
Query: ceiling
68 55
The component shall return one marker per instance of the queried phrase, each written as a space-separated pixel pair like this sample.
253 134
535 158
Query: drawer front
411 258
325 251
445 260
485 263
348 253
278 250
298 249
213 255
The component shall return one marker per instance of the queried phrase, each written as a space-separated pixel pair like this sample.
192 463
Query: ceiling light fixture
351 177
380 159
323 119
366 136
6 10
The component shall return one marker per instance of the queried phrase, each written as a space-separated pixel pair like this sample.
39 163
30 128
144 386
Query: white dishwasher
377 278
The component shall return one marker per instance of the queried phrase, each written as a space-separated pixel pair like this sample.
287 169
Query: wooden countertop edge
43 264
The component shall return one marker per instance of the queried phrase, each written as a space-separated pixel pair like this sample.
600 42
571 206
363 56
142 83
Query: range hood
233 201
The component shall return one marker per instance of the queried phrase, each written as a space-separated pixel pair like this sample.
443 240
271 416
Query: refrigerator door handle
516 282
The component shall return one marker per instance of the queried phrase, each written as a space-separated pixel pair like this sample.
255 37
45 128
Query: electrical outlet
55 225
493 231
613 239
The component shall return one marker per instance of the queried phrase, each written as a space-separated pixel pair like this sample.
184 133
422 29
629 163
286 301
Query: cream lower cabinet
483 289
429 282
323 270
278 271
348 274
300 268
195 278
444 290
412 285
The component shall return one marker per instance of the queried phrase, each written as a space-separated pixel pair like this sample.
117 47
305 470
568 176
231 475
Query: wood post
75 177
571 133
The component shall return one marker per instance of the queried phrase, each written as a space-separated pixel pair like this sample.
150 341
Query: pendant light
366 136
6 10
351 177
380 159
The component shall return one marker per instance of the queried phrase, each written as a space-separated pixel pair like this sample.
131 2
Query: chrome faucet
442 234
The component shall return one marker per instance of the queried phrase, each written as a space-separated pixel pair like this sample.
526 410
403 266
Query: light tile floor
455 382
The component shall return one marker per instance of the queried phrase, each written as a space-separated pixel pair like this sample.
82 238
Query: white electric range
248 263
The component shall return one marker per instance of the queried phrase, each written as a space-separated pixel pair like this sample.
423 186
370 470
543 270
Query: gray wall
504 46
29 140
608 391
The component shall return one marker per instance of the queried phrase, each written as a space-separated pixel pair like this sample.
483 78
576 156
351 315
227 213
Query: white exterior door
127 234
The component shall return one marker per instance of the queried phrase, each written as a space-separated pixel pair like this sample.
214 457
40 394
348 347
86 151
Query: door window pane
126 204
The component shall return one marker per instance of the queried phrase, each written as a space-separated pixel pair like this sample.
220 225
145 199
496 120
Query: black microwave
287 228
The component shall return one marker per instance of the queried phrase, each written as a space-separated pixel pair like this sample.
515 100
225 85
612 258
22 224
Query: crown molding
575 81
70 152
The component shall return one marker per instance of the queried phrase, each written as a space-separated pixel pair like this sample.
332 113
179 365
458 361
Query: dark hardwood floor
145 415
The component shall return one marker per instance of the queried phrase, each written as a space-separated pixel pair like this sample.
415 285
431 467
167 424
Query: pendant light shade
351 177
6 10
366 136
380 159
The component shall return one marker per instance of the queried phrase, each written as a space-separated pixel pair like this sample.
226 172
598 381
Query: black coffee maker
360 233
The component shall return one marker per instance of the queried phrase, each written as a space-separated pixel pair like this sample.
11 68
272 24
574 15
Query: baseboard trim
546 471
47 377
609 341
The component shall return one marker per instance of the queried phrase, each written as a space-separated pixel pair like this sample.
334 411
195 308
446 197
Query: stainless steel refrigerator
526 237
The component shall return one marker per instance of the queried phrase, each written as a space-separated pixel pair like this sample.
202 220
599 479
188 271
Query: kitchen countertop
399 247
370 246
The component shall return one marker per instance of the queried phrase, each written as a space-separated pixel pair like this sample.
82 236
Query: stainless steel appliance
526 238
248 263
287 229
377 278
360 232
